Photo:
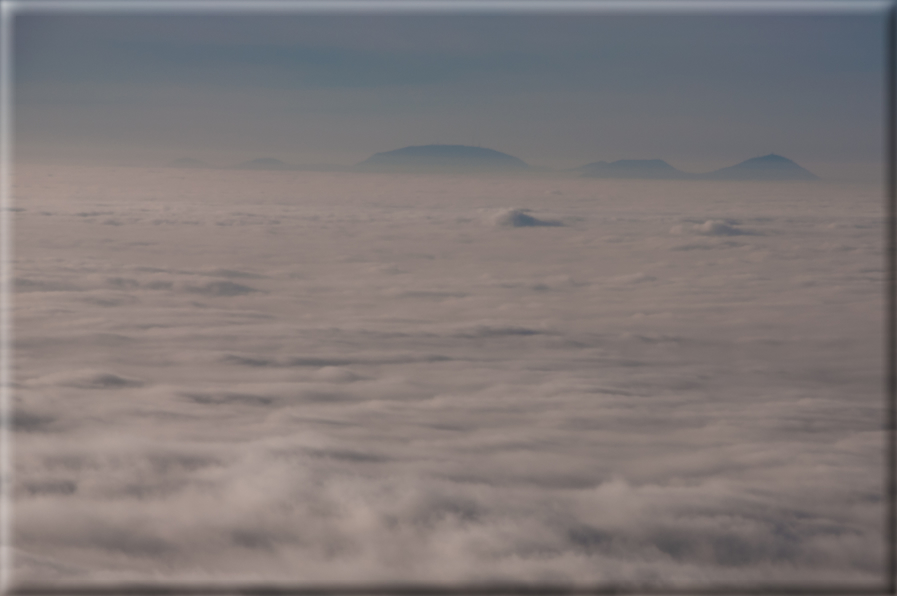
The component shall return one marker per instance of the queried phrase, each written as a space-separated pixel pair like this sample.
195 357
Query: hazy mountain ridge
633 168
269 164
469 159
189 163
264 163
767 167
442 158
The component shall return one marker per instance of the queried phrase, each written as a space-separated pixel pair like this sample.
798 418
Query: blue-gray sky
699 90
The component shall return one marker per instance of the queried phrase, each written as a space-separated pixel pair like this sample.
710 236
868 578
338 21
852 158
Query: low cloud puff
711 227
221 288
520 218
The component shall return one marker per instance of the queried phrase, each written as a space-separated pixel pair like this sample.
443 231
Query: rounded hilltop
770 167
450 158
767 167
264 163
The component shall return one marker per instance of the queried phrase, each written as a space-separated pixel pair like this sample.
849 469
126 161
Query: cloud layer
320 377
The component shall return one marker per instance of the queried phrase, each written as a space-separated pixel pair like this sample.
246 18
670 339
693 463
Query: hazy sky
701 90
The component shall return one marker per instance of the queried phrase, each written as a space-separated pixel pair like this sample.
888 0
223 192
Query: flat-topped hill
460 158
656 169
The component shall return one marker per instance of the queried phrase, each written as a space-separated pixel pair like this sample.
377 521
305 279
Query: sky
700 90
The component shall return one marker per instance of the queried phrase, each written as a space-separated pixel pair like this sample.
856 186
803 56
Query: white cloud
374 389
89 379
520 218
712 227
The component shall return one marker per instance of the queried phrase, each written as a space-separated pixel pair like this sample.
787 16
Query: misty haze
420 300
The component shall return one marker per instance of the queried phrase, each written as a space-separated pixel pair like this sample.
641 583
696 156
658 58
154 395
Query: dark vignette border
891 301
889 581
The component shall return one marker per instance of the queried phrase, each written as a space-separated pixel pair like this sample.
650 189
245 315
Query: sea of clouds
332 378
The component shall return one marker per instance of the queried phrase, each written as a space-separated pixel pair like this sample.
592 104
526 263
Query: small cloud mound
519 218
632 278
335 374
221 288
483 331
25 284
233 273
30 420
90 379
711 227
717 228
226 398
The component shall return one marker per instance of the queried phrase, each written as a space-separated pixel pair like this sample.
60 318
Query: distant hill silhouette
451 158
188 162
768 167
264 163
654 169
321 167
